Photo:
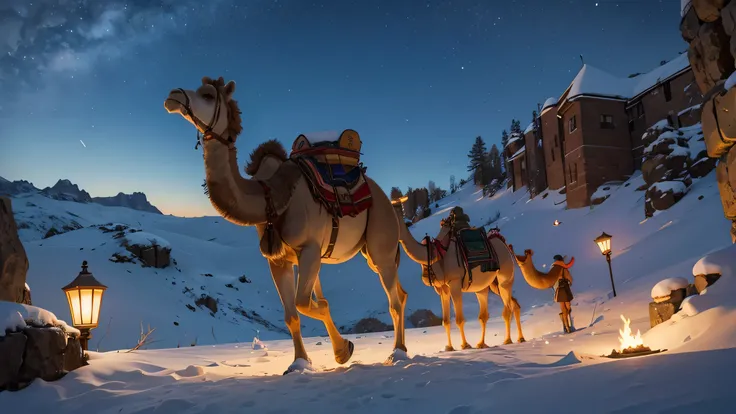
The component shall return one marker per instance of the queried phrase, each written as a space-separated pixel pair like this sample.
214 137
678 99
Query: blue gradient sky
419 80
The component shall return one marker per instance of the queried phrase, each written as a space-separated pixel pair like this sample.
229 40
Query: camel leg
342 348
444 293
309 265
283 278
508 307
517 316
457 303
389 275
482 316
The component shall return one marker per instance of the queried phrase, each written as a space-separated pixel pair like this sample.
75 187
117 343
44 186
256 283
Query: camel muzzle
174 103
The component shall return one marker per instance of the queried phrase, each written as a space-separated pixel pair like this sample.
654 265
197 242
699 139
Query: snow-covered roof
529 129
513 138
552 101
518 153
647 80
593 81
597 82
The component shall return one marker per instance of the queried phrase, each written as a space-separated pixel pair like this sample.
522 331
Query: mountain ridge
65 190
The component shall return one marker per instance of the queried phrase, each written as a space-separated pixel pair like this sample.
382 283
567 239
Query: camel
451 282
295 230
542 281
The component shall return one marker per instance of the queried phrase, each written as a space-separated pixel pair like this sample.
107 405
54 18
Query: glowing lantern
84 295
604 243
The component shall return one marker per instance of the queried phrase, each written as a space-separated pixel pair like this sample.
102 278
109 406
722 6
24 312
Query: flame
626 338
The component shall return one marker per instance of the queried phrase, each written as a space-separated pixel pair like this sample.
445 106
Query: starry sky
82 82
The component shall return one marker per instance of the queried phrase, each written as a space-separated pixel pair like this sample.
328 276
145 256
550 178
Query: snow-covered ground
559 372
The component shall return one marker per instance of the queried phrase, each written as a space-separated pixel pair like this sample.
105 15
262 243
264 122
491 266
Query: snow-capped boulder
662 291
603 192
13 259
35 344
424 318
663 195
152 250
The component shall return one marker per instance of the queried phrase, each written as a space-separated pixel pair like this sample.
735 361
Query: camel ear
229 89
206 80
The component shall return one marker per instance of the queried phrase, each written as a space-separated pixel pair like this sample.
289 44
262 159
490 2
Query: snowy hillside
225 377
213 256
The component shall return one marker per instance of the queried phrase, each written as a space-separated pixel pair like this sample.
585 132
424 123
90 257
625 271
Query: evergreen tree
495 161
432 190
453 185
478 160
396 193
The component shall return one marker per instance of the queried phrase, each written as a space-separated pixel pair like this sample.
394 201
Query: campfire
631 345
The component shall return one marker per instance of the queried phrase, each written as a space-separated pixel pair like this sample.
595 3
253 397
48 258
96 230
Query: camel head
210 108
528 253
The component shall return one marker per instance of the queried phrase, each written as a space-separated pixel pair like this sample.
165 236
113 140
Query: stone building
515 152
593 133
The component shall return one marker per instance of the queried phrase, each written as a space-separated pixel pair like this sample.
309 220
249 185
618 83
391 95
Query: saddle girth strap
333 237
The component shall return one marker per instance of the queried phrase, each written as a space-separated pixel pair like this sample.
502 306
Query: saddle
334 172
335 176
476 249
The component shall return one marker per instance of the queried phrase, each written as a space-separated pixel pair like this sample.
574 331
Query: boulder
26 299
703 281
725 187
13 259
702 167
663 195
368 325
152 250
710 55
708 10
48 353
661 312
424 318
208 302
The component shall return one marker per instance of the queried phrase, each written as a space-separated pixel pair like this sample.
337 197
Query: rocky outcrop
368 325
65 190
135 201
424 318
672 158
48 353
710 28
13 259
150 249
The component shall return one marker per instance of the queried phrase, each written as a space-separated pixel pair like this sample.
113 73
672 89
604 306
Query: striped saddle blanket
477 250
334 173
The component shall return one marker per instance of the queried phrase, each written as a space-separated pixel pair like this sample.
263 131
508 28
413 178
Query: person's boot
569 322
565 328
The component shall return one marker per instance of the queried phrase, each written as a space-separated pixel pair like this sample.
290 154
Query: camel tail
416 251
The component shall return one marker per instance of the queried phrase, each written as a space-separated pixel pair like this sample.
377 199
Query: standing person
563 292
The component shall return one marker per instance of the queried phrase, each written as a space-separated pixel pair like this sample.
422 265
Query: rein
206 128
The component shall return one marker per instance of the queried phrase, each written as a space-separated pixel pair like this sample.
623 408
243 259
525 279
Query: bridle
205 128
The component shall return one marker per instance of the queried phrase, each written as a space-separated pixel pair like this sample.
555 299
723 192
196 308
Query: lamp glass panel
85 295
97 300
72 296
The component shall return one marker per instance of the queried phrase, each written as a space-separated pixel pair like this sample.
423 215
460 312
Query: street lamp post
84 295
604 243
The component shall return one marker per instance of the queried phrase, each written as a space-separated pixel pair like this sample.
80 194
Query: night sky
419 80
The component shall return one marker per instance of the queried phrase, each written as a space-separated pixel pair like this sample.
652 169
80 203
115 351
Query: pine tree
453 185
396 193
504 144
478 160
494 158
432 191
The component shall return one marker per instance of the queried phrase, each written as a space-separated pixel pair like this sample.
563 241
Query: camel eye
208 96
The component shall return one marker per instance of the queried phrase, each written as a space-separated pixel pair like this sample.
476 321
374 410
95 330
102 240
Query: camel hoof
521 340
507 342
346 354
449 348
396 356
299 365
467 346
482 345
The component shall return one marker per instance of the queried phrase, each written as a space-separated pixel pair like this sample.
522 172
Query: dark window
631 126
575 172
607 122
573 124
552 151
556 144
667 91
670 121
639 109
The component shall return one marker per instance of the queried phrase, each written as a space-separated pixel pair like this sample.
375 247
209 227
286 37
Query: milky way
43 37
